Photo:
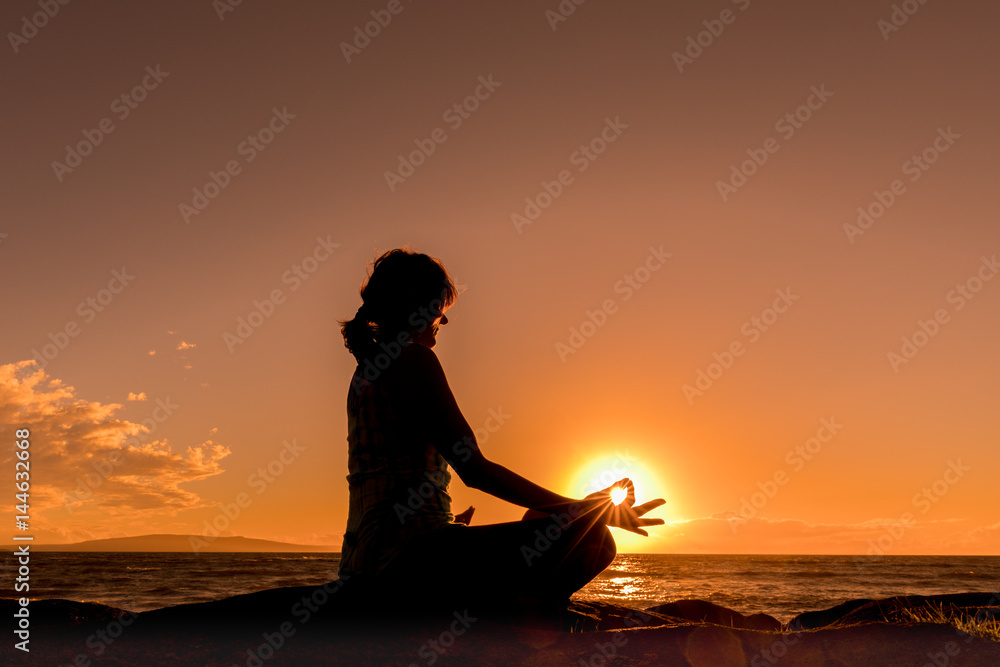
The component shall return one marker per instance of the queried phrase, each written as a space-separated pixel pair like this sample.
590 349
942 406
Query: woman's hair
404 290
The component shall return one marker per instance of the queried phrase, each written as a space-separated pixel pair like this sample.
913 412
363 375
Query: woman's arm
443 421
504 483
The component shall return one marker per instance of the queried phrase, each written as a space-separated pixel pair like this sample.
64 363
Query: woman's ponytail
402 285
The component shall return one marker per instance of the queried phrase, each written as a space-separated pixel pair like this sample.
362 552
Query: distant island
185 543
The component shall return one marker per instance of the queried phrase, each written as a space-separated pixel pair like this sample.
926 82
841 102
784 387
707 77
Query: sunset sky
665 271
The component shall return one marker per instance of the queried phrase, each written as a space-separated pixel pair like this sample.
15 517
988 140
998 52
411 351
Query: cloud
151 353
974 538
141 396
91 471
728 533
184 345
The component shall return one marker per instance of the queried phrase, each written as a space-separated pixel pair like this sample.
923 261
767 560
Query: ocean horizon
780 585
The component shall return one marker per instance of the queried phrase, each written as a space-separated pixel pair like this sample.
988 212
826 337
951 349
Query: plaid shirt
398 484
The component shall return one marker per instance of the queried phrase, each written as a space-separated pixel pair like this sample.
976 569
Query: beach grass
983 626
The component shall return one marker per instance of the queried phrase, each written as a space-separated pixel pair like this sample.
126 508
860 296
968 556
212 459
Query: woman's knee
534 514
596 546
607 549
593 541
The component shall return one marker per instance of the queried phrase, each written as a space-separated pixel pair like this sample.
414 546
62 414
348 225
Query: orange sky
691 212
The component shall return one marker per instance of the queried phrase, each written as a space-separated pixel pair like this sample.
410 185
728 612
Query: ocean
782 586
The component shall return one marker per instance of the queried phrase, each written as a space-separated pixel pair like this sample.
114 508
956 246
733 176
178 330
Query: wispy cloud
92 471
141 396
715 534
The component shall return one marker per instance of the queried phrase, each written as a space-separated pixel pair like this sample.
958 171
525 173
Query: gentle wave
779 585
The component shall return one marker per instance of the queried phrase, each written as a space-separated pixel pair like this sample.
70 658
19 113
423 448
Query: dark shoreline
330 625
782 586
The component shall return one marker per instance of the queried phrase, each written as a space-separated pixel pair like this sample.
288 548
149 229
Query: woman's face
428 337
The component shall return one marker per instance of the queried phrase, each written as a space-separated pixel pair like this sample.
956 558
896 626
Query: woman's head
404 297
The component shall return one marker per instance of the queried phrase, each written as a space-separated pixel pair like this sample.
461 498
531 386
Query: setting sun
633 463
603 471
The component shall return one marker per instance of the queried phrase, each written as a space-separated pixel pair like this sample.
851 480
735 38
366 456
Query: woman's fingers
630 496
647 522
635 529
605 494
649 506
623 483
629 518
626 515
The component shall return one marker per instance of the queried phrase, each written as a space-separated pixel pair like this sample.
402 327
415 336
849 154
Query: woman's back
397 480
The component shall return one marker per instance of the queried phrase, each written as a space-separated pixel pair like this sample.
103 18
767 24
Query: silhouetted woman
405 428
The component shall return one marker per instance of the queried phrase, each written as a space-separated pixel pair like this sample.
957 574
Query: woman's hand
466 516
624 515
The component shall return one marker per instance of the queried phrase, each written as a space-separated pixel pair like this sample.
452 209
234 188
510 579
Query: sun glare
618 463
603 471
